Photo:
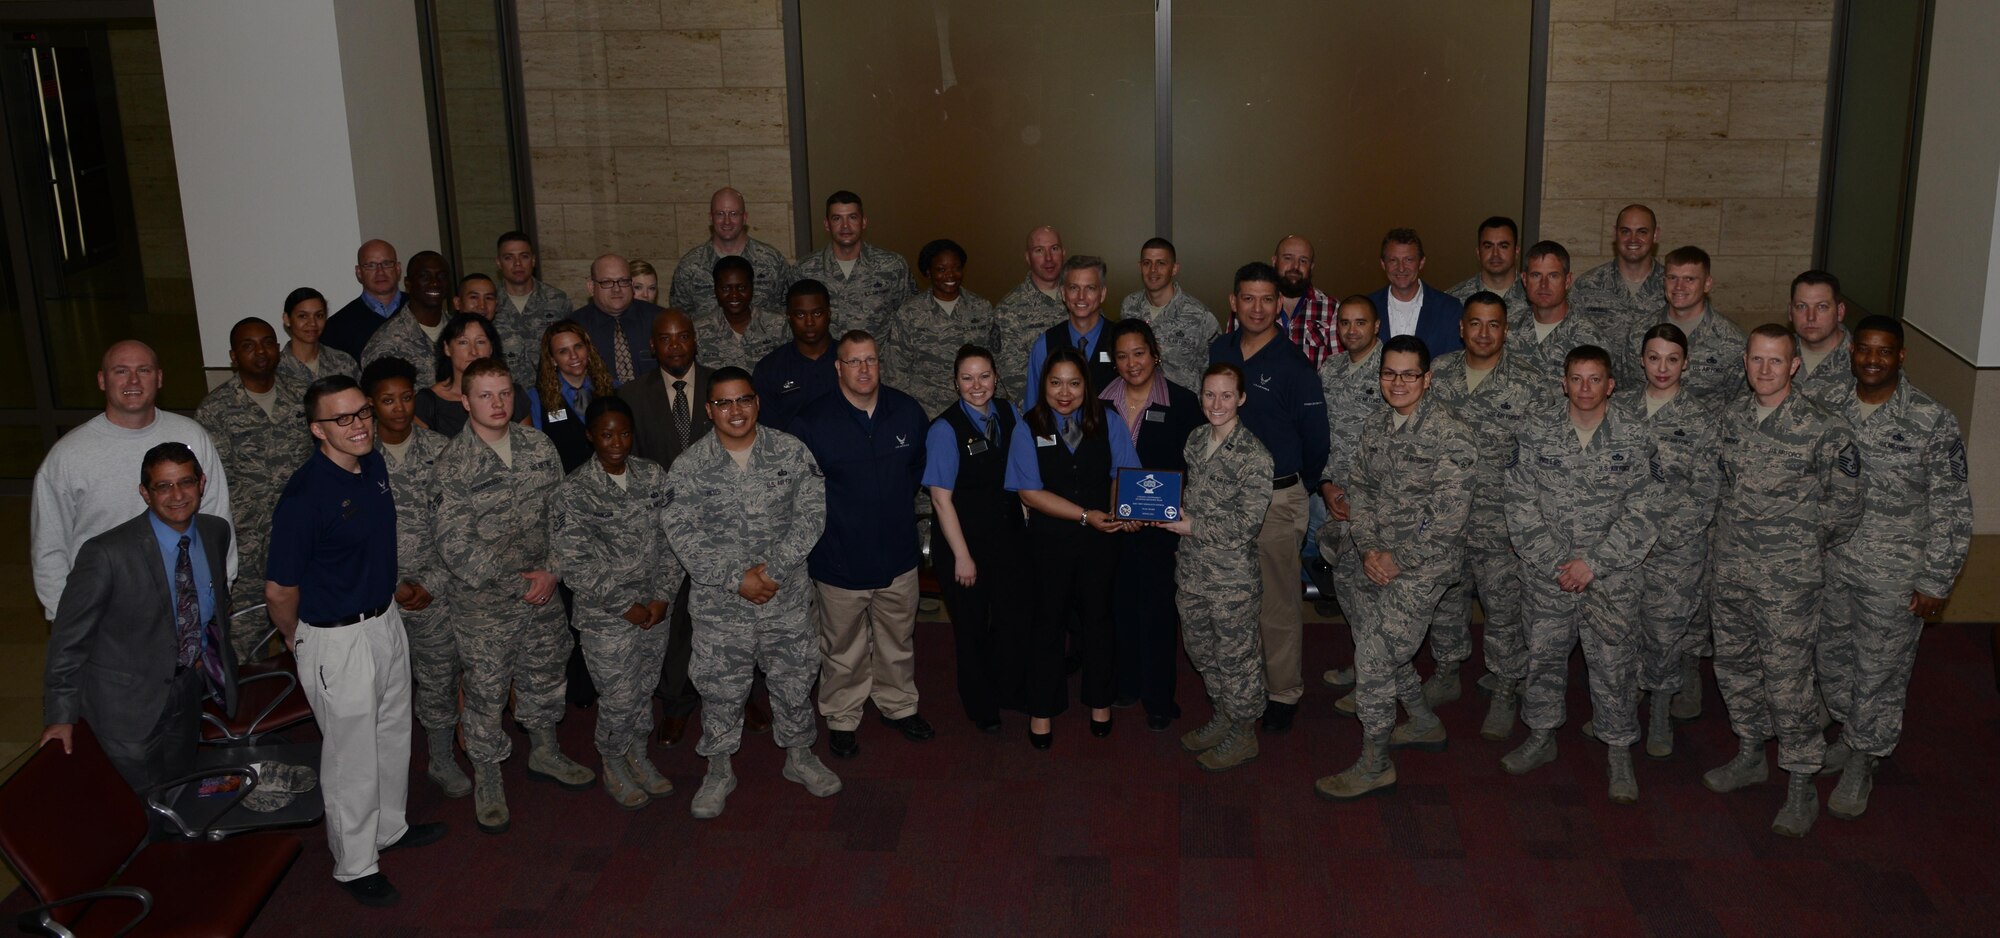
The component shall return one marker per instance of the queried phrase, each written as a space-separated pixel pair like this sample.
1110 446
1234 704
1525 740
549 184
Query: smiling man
864 283
1028 310
1498 250
1183 326
258 426
1630 286
84 486
1714 343
1409 305
729 236
379 273
412 333
1085 330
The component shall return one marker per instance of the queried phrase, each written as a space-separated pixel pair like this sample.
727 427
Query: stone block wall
1711 112
638 110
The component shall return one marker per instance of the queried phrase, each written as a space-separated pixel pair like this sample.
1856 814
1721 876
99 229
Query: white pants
357 679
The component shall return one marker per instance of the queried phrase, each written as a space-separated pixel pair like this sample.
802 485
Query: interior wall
1710 112
388 125
637 111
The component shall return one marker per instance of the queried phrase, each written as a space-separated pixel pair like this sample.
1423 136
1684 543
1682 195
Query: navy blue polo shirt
1283 405
873 467
786 381
333 535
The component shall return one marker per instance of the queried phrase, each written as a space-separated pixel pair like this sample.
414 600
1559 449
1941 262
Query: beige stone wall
1710 111
638 110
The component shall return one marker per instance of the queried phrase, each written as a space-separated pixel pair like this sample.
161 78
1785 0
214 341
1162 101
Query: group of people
465 495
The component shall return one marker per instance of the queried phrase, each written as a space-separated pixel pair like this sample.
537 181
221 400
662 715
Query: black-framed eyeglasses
347 420
379 265
622 283
724 403
1402 377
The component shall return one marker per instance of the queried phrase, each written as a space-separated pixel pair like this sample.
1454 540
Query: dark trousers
987 631
1073 571
580 690
168 751
1148 623
677 694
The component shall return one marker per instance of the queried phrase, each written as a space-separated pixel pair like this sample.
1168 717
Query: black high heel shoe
1100 729
1042 740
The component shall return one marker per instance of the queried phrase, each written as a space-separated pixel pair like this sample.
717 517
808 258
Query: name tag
1049 440
975 447
1156 416
1104 356
556 416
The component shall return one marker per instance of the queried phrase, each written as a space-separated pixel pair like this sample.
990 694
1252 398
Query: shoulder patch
1850 461
1659 471
667 500
1955 460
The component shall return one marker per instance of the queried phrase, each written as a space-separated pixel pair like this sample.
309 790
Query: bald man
84 486
1305 314
620 327
380 275
728 234
1029 310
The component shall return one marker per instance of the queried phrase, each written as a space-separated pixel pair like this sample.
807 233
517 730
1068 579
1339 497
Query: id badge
1042 441
975 447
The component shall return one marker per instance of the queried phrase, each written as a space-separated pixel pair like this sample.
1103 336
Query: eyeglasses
184 485
1402 377
623 283
869 362
373 266
724 403
347 420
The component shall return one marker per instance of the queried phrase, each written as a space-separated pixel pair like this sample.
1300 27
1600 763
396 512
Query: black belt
1284 482
353 619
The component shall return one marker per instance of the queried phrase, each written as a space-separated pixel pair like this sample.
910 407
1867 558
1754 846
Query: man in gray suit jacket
141 635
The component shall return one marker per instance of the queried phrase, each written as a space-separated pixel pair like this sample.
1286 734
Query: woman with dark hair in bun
303 357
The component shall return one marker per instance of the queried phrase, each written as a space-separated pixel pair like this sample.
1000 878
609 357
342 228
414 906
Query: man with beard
412 334
1305 315
1029 310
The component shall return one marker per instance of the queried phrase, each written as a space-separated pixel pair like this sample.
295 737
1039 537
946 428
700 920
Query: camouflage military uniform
1916 526
259 453
1600 295
614 555
1409 494
720 522
1185 328
718 345
1495 412
1543 361
1218 588
921 340
492 526
1023 314
1831 383
1353 394
1598 503
331 361
521 329
880 284
1674 600
403 337
433 645
693 286
1791 490
1715 357
1516 297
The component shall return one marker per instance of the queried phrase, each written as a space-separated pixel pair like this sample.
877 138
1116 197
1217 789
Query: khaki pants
867 648
357 681
1278 567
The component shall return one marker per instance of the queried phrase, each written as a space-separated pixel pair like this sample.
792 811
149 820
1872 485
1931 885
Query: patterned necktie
621 355
682 420
187 609
1072 433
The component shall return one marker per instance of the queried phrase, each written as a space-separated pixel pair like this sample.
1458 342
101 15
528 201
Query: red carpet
979 835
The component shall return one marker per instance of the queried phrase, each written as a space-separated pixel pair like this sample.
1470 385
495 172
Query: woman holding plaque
977 537
1157 415
1063 467
1223 500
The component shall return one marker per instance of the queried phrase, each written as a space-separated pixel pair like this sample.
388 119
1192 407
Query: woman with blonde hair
572 375
645 281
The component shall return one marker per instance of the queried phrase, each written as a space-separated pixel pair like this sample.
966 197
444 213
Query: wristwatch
1084 518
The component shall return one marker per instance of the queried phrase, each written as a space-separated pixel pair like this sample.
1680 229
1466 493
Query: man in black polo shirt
1286 409
869 442
801 371
329 582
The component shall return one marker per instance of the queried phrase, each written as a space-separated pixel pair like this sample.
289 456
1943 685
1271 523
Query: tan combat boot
1238 747
489 800
1372 773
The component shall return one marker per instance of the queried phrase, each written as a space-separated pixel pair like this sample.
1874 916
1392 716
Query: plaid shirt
1309 326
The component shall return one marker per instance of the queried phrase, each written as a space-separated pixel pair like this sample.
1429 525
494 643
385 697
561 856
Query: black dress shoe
1278 716
672 731
372 890
1041 740
417 835
1157 723
914 727
842 744
1100 729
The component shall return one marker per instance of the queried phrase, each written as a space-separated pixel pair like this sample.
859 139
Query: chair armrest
288 677
243 614
38 918
160 807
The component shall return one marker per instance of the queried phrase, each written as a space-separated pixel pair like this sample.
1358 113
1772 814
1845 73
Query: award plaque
1148 495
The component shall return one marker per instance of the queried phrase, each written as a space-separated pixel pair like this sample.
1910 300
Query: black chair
268 698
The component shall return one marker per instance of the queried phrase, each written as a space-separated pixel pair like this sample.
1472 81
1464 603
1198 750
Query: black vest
572 443
1102 371
988 514
1083 477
